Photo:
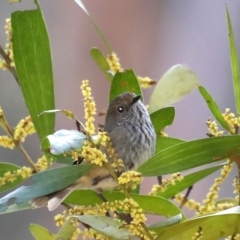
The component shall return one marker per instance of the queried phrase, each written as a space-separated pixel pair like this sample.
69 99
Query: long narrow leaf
187 181
7 167
213 107
162 118
81 5
234 63
32 58
46 182
191 154
214 226
101 62
40 232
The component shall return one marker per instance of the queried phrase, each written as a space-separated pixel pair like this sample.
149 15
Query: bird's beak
135 99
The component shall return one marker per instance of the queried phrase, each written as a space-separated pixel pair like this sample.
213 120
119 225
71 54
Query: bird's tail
53 200
97 178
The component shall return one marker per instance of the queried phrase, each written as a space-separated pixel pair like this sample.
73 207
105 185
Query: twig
8 62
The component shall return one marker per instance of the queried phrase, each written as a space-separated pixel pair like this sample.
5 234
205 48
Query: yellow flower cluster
234 237
232 121
137 215
198 235
6 142
146 82
25 127
42 163
59 220
130 178
89 233
161 188
74 154
8 50
114 63
189 203
236 187
89 107
212 195
213 128
117 165
127 205
93 155
24 172
104 140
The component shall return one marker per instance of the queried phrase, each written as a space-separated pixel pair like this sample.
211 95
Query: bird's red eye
120 109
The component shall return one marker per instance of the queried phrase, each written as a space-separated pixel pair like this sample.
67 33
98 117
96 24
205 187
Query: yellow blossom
24 172
198 235
9 177
146 82
189 203
232 121
89 107
8 48
93 155
59 219
213 128
114 63
161 188
7 142
25 127
131 178
42 163
209 202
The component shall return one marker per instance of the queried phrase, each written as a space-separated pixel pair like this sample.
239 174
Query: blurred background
149 37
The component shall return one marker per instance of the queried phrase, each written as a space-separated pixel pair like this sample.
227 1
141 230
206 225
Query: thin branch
8 62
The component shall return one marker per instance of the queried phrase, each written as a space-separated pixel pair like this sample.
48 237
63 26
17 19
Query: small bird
133 137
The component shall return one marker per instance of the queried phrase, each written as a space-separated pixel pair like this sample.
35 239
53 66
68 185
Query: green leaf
105 225
84 197
162 118
124 82
175 84
17 208
65 231
149 204
213 107
64 160
32 56
45 182
101 62
7 167
187 181
40 233
81 5
214 226
162 225
190 154
166 142
234 63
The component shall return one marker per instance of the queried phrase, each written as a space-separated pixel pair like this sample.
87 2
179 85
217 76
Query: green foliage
162 118
46 182
213 107
234 63
124 82
33 62
32 56
40 232
7 167
101 61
